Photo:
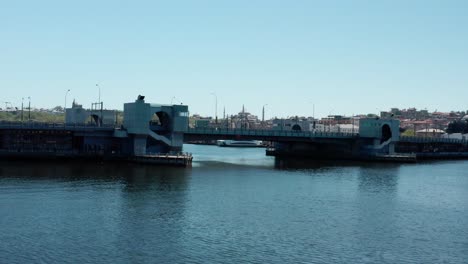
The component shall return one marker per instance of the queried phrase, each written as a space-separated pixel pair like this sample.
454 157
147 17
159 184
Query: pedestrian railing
270 133
47 125
432 140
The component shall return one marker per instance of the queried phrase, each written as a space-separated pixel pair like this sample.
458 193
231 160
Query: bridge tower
155 128
384 133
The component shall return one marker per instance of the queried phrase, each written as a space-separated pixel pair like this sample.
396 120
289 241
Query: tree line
458 126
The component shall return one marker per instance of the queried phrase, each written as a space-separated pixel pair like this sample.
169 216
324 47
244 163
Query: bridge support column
139 145
391 148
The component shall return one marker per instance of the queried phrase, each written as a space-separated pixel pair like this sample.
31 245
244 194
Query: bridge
377 139
162 129
195 134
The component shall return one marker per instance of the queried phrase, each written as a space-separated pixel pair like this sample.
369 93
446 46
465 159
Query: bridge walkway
260 134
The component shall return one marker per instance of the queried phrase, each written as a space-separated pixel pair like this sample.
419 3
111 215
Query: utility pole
29 108
99 95
22 101
243 117
224 116
313 112
65 106
100 120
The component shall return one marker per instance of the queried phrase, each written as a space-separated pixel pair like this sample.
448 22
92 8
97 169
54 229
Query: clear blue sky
343 56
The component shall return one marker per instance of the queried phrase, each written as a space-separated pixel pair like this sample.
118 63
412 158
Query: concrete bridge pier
377 138
155 128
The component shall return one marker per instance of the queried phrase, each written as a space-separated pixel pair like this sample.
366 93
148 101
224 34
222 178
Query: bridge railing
269 133
47 125
432 140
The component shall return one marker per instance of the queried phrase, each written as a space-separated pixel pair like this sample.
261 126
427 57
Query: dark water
233 206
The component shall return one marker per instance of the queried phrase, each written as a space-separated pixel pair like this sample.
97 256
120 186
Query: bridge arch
161 120
386 133
296 127
94 119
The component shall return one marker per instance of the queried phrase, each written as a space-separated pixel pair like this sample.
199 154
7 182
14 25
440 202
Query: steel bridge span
197 134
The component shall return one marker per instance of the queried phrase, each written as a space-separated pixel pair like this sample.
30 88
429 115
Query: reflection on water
115 209
236 206
375 177
304 163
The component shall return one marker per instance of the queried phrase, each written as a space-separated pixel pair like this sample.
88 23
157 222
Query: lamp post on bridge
29 108
65 106
216 107
99 92
22 101
6 105
313 115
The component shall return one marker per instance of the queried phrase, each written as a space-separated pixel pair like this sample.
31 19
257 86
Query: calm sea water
234 206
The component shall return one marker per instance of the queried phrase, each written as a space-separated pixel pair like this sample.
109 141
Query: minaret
243 117
263 114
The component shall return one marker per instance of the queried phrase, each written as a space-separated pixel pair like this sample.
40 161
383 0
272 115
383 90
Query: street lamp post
65 107
22 101
313 112
100 119
216 107
99 95
29 108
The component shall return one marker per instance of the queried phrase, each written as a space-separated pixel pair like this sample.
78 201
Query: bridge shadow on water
307 163
132 176
105 202
371 176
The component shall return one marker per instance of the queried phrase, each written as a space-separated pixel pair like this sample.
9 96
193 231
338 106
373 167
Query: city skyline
342 58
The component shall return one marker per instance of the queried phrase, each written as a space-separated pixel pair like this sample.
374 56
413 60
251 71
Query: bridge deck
433 140
54 126
223 133
258 134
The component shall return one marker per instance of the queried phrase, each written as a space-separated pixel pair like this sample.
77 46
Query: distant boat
239 143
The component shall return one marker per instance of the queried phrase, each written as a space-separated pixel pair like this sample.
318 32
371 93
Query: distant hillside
35 116
49 117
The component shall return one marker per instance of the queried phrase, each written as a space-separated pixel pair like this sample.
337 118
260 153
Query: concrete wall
288 124
170 131
136 117
78 115
139 145
372 128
